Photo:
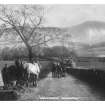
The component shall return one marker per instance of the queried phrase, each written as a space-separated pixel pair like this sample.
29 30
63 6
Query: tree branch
6 21
35 26
42 42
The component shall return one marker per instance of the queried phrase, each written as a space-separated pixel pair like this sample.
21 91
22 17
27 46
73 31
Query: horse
21 72
13 74
33 70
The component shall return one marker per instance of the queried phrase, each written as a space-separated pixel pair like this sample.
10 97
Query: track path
68 88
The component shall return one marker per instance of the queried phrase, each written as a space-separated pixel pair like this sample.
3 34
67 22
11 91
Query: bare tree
24 20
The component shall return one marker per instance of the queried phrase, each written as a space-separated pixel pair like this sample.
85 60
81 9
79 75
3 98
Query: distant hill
89 37
89 32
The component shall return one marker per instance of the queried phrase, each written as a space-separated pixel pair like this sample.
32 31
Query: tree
6 55
24 20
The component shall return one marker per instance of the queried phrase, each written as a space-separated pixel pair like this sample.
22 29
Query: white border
52 103
52 1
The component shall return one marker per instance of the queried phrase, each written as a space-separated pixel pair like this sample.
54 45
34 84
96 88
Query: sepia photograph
52 52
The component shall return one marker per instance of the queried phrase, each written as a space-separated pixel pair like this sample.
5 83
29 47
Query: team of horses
21 73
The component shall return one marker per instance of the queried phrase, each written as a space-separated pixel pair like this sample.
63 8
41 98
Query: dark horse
14 74
20 72
9 75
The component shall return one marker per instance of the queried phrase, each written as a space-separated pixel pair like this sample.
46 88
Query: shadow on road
46 69
94 79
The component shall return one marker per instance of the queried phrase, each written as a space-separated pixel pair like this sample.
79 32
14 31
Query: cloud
68 15
96 36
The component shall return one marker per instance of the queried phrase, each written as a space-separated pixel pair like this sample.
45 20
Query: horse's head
34 63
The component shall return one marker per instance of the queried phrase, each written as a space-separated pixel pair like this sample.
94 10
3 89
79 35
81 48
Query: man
17 63
59 70
4 75
53 69
62 66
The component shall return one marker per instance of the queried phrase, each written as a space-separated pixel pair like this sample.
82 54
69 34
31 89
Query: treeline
10 54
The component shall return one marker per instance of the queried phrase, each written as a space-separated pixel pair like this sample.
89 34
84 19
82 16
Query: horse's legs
61 73
27 79
27 83
55 73
52 74
5 85
58 74
35 80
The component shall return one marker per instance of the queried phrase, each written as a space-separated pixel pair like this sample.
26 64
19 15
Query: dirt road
68 88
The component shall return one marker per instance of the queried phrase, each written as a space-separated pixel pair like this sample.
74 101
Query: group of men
59 67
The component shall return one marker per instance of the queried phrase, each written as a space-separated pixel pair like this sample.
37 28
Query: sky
68 15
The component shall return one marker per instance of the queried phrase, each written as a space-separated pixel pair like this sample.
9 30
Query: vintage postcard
52 52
